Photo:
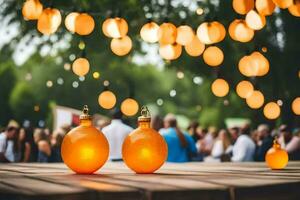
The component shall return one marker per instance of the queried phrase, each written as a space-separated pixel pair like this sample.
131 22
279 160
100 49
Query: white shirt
243 149
116 133
218 149
7 147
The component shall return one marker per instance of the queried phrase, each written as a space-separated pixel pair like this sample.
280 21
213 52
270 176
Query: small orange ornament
144 150
84 149
276 158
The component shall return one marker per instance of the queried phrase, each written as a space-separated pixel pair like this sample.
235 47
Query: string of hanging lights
172 39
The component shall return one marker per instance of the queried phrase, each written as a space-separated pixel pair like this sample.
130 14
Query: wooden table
201 181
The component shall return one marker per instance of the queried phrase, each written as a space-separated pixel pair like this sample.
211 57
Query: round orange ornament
294 9
129 107
144 150
107 99
213 56
167 33
121 46
84 149
242 6
195 48
276 158
49 21
81 66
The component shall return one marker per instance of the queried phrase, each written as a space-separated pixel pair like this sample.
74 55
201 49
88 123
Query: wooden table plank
228 181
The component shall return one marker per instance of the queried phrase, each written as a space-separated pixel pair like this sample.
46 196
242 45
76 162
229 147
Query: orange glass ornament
144 150
84 149
276 158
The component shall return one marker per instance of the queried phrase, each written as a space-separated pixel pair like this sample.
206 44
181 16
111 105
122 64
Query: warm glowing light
107 99
254 65
244 89
199 11
70 21
255 100
144 150
296 106
271 110
84 24
239 31
149 32
220 87
246 68
49 21
264 49
276 158
167 33
170 51
185 35
294 9
213 56
129 107
255 20
194 48
242 6
283 3
96 75
211 32
32 9
265 7
84 149
81 66
115 27
121 46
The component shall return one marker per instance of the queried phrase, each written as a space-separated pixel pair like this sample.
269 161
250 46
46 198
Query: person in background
43 144
244 148
290 142
264 143
6 144
192 130
24 142
157 123
56 141
116 133
208 141
222 144
234 133
181 146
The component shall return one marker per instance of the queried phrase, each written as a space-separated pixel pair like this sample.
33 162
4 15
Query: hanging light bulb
239 31
265 7
121 46
213 56
149 32
195 47
85 149
49 21
170 51
144 150
129 107
276 158
242 6
294 9
261 62
271 110
283 3
220 87
255 100
70 21
185 35
244 89
32 9
115 27
107 99
255 20
84 24
211 32
81 66
296 106
167 33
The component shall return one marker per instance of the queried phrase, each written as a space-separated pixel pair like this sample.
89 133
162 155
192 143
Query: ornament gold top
85 113
145 115
276 143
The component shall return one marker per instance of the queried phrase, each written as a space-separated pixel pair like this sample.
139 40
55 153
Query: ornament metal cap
145 115
85 113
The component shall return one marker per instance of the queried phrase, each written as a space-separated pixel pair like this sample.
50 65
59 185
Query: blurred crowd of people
235 144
